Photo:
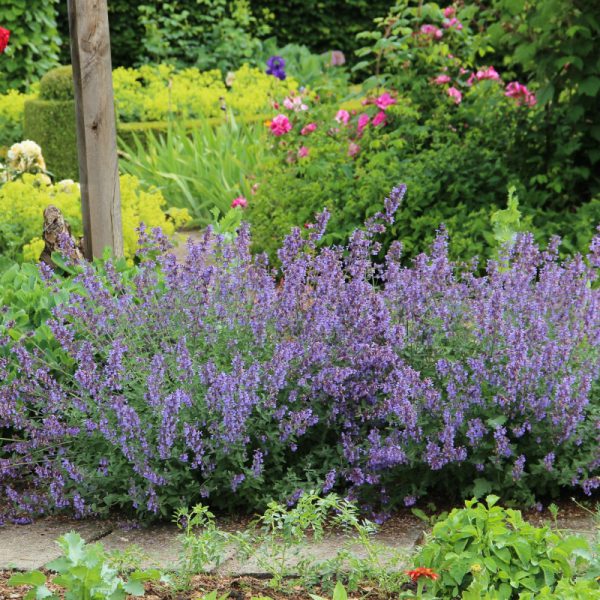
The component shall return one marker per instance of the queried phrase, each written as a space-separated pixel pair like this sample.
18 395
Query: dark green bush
34 42
51 123
57 84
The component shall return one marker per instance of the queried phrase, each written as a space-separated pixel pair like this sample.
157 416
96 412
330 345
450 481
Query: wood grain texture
96 127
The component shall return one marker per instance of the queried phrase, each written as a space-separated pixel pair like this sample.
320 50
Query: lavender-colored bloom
180 378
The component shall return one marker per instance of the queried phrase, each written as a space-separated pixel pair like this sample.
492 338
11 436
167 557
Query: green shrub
12 106
489 548
51 123
57 84
34 42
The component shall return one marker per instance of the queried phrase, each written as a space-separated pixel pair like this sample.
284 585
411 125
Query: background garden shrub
219 378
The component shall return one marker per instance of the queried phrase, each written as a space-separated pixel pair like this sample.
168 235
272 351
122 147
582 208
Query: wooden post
96 127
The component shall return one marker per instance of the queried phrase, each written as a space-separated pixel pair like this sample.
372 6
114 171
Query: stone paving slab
25 547
160 544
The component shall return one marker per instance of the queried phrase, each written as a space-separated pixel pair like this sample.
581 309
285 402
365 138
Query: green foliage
34 43
486 547
198 170
556 43
57 84
51 124
202 544
323 26
84 573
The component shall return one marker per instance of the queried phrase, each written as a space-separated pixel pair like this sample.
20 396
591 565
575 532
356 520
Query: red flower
415 574
4 36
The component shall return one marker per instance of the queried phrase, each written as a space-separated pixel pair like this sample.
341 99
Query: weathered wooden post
96 128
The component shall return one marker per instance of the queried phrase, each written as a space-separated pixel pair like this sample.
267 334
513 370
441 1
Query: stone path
32 546
25 547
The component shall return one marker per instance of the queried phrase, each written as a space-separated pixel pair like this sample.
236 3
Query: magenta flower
342 116
449 12
280 125
384 101
519 92
353 149
454 94
239 202
302 152
431 31
363 121
453 22
308 129
442 79
488 73
379 119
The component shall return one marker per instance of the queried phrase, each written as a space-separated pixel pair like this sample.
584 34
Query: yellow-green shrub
156 92
12 106
22 203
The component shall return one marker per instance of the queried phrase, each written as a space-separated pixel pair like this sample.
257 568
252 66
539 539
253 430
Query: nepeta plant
226 379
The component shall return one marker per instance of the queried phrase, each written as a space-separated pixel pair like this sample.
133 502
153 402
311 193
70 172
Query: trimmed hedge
51 123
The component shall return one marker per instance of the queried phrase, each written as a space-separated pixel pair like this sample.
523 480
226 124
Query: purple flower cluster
276 67
222 377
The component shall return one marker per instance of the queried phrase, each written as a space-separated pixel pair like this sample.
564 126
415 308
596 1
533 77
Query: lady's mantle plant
223 378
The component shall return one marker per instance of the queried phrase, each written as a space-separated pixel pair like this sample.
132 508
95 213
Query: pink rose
240 202
453 22
379 119
342 116
363 121
294 104
471 79
384 101
337 58
302 152
353 149
280 125
431 31
488 73
449 12
455 94
519 92
441 79
308 129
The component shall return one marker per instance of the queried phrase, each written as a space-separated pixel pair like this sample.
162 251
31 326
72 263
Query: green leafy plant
198 170
203 545
486 547
84 573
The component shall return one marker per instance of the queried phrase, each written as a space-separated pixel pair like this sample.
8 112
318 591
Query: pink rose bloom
295 104
441 79
379 119
363 121
308 129
431 31
489 73
453 22
384 101
337 58
280 125
240 202
519 92
449 12
302 152
471 79
342 116
454 94
353 149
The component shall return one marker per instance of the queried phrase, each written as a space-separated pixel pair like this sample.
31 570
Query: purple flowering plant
276 67
227 381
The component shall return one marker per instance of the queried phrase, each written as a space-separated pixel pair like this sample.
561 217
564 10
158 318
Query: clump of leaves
85 573
484 547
